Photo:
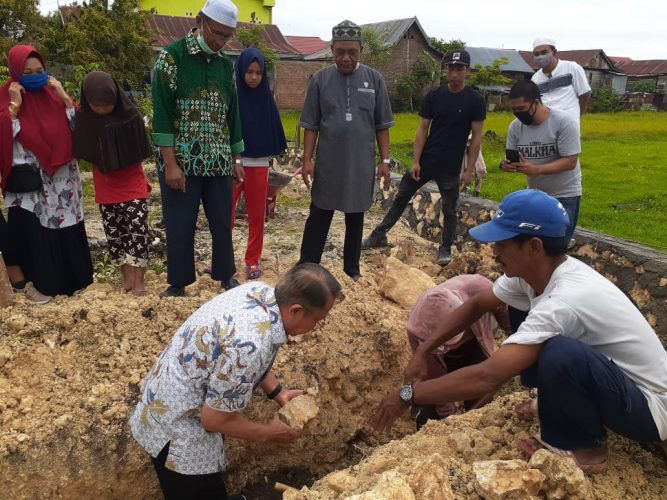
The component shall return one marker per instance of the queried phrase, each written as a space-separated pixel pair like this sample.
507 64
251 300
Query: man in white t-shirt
563 84
593 358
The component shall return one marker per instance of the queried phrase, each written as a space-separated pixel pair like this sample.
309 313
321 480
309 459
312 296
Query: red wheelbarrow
277 181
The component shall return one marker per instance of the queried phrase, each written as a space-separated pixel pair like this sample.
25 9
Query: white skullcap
544 41
221 11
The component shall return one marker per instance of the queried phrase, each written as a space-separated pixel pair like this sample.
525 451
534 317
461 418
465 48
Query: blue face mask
34 82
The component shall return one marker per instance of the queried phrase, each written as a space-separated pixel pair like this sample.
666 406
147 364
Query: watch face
406 393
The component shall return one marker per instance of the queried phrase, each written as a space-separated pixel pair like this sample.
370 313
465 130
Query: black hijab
263 133
112 141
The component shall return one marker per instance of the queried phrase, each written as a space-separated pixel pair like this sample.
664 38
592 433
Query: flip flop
527 411
533 444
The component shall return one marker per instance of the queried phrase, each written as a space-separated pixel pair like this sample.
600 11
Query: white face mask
204 46
543 60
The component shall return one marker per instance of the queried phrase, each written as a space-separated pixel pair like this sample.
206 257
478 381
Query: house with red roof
652 70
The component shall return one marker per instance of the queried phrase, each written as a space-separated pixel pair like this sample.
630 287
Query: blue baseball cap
528 211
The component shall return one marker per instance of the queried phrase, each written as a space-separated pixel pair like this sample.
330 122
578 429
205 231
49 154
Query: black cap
457 56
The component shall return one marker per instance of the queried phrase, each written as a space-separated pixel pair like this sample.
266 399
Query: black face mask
526 117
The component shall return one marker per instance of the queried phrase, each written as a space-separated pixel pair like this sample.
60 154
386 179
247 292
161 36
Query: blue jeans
571 206
581 393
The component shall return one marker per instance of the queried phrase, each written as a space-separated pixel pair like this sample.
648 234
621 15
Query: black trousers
315 236
448 185
177 486
180 211
4 234
57 261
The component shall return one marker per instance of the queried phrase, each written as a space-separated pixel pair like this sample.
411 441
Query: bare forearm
583 103
558 166
309 141
269 383
237 426
420 141
382 138
464 384
168 155
473 153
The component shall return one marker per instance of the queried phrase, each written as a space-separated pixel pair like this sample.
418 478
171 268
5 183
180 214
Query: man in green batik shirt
197 132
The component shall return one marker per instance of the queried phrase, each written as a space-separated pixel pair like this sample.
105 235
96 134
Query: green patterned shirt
195 109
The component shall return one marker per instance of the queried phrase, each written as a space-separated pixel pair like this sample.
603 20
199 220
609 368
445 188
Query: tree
116 38
485 76
647 86
411 86
376 51
254 37
445 47
20 23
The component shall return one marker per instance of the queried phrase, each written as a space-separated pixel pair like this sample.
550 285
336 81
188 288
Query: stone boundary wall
639 271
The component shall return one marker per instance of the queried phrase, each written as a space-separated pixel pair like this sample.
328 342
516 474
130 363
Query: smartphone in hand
512 155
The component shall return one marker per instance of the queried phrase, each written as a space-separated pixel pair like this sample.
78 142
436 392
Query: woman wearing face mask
40 181
109 132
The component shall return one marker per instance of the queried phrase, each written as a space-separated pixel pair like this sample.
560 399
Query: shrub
606 100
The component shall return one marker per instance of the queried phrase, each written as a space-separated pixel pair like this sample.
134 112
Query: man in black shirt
449 113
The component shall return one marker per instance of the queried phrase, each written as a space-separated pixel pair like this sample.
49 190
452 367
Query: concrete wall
639 271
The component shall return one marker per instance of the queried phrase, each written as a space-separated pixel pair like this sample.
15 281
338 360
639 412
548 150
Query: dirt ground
71 372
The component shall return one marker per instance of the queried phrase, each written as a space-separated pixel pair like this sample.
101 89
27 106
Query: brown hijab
112 141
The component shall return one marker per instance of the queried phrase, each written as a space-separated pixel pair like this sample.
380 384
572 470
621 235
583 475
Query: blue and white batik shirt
217 357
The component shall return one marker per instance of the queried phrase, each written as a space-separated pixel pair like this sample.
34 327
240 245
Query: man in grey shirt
346 112
549 146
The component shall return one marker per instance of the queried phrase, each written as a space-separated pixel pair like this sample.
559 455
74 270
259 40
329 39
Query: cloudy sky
634 29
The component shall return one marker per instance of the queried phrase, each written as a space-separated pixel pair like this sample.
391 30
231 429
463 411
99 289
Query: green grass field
623 161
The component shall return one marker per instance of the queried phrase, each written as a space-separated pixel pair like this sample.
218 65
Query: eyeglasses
219 35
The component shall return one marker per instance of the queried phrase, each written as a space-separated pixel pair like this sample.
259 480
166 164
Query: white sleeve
547 319
16 127
512 292
579 80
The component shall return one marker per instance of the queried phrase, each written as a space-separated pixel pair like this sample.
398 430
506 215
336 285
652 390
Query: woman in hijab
467 348
40 180
110 133
263 136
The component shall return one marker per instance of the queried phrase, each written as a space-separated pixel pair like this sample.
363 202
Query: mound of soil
71 372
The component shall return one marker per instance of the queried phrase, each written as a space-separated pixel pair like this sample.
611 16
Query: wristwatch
386 161
406 394
237 161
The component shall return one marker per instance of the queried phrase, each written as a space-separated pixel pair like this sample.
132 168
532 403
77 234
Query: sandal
533 444
527 411
253 271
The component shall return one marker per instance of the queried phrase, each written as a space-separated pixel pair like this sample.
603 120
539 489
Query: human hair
553 247
309 285
526 89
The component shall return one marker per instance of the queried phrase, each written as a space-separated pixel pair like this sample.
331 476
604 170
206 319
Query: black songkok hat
346 31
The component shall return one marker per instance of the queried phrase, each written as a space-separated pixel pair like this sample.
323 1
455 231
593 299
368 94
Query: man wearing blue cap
595 361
